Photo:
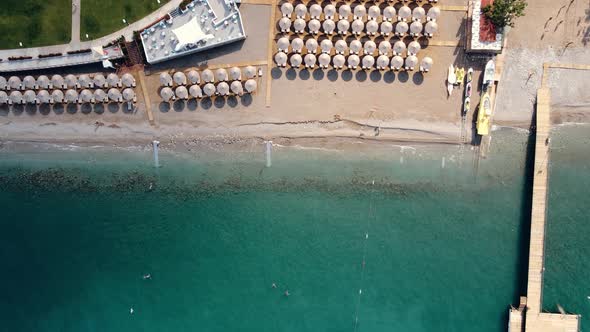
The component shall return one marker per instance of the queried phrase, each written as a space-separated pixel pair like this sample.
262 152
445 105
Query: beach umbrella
30 97
43 82
433 13
329 26
128 94
99 80
343 26
165 79
359 11
114 94
283 44
372 27
287 9
235 74
411 62
299 25
344 12
44 97
194 77
209 89
397 62
296 60
416 28
29 82
355 46
85 81
166 94
341 46
3 83
431 28
281 59
99 95
113 80
285 24
368 61
311 45
329 11
357 26
14 83
404 13
300 10
386 28
223 88
86 96
297 45
324 60
418 13
369 47
326 46
128 80
413 48
250 72
181 92
250 86
4 97
314 26
353 61
399 47
237 88
57 81
310 60
426 64
16 97
374 12
401 28
207 76
179 78
338 61
221 75
315 11
196 92
389 13
382 62
57 96
384 47
71 96
71 81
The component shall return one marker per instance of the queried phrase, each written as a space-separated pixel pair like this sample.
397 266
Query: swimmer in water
274 285
287 293
147 276
131 311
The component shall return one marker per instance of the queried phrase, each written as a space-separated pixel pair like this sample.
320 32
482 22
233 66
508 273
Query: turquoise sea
383 239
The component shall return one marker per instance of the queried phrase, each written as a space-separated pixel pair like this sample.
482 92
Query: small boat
451 79
483 115
460 73
469 75
466 106
468 90
489 73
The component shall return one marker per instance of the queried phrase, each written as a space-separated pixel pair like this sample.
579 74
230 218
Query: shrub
503 12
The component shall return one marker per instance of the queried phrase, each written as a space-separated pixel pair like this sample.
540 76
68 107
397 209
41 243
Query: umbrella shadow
192 104
403 76
206 103
44 109
232 101
164 107
98 108
418 78
389 77
58 109
361 75
4 110
18 109
72 108
318 74
178 105
347 75
376 75
246 99
31 109
291 74
113 107
304 74
86 108
332 75
219 102
276 73
128 108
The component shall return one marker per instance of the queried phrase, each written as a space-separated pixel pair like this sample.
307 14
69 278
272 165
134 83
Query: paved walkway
75 22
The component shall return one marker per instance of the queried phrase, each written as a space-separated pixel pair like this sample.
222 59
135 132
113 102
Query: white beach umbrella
287 9
57 81
223 88
71 81
99 95
15 83
207 76
128 94
314 26
196 92
310 60
86 96
416 28
43 82
283 44
329 11
411 62
382 62
386 28
418 13
236 88
221 75
404 13
431 28
299 25
372 27
413 48
329 26
250 72
384 47
128 80
399 47
343 26
209 89
397 62
338 61
44 97
300 10
315 11
235 74
285 24
353 61
374 12
341 46
165 79
324 60
3 83
360 11
426 64
401 28
344 12
355 46
29 82
433 14
250 86
85 81
71 96
389 13
281 59
181 92
57 96
369 47
113 80
326 46
167 94
16 97
114 94
368 62
357 26
296 60
297 45
30 97
99 81
311 45
4 97
179 78
194 77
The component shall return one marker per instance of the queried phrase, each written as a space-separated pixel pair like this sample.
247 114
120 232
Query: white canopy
329 11
386 28
250 86
343 26
99 95
196 91
353 61
235 74
374 12
223 88
166 94
181 92
100 80
344 11
43 96
250 72
329 26
310 60
194 77
4 97
382 62
236 87
384 47
283 44
30 96
341 46
207 76
326 45
128 94
397 62
57 96
287 9
29 82
355 46
368 62
209 89
190 33
311 45
372 27
296 60
338 60
85 81
3 83
315 11
389 13
369 47
297 45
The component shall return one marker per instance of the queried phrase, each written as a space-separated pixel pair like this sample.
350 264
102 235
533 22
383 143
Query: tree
503 12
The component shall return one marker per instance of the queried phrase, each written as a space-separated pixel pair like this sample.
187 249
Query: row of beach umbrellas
207 76
208 90
70 81
369 47
358 12
70 96
353 61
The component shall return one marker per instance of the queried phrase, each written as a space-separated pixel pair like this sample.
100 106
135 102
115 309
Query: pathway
75 22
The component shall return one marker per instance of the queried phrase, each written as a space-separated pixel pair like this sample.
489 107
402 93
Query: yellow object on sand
483 115
460 73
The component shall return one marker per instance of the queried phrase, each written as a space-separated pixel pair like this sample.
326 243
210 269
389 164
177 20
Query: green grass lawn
35 22
102 17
